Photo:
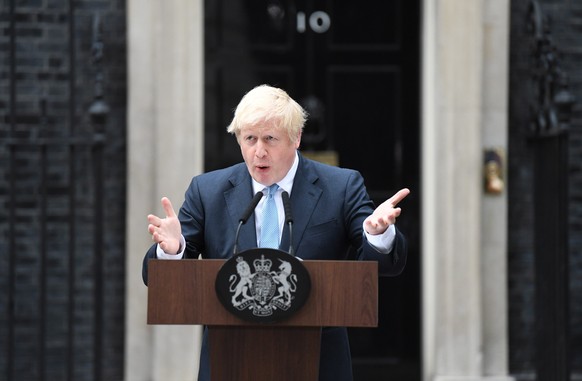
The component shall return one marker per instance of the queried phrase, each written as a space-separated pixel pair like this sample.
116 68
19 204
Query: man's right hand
166 231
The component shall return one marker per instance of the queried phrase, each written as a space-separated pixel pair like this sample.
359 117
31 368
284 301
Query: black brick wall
62 191
565 18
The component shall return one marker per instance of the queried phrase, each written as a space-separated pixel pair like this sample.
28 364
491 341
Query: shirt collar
286 184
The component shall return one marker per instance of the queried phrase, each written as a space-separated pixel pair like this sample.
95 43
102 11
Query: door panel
356 124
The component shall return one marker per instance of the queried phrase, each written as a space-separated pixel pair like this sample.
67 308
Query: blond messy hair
267 105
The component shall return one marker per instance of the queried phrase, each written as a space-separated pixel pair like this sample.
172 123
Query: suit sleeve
388 264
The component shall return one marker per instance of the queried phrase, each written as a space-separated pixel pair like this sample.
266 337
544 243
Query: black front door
355 67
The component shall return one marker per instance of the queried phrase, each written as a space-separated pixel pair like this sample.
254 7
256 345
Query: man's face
267 151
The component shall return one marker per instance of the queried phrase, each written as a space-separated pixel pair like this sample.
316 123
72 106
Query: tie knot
272 189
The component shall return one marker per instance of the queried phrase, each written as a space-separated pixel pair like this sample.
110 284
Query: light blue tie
270 227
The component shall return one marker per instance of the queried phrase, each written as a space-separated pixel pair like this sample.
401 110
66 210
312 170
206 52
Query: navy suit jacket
328 204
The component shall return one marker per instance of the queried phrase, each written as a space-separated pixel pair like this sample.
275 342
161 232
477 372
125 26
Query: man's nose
260 149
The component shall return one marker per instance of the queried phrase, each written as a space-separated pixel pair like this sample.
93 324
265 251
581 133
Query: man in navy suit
330 206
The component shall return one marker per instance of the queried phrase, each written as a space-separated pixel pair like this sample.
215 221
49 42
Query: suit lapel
237 199
304 198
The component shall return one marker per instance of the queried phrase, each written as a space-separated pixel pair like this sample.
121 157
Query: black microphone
288 218
251 208
245 216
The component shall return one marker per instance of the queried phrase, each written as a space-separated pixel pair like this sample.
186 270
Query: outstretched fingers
399 196
386 214
154 220
165 231
168 209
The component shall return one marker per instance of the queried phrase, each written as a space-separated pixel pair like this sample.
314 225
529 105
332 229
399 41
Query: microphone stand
288 219
245 217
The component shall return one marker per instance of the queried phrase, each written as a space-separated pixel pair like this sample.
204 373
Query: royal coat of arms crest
266 290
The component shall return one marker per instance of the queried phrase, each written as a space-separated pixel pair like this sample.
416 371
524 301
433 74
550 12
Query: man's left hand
385 214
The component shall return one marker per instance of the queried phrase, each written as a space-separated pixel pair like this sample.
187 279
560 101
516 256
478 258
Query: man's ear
298 142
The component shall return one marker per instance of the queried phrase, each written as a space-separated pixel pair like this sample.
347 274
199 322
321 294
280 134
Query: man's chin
260 177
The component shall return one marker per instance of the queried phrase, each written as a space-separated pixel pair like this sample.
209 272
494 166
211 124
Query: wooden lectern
343 294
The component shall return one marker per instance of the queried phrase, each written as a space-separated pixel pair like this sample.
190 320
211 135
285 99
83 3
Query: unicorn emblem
287 281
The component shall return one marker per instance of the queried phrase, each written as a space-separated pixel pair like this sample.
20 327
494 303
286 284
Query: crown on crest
262 265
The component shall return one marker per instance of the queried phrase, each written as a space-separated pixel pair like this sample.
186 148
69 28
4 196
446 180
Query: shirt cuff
161 254
382 242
